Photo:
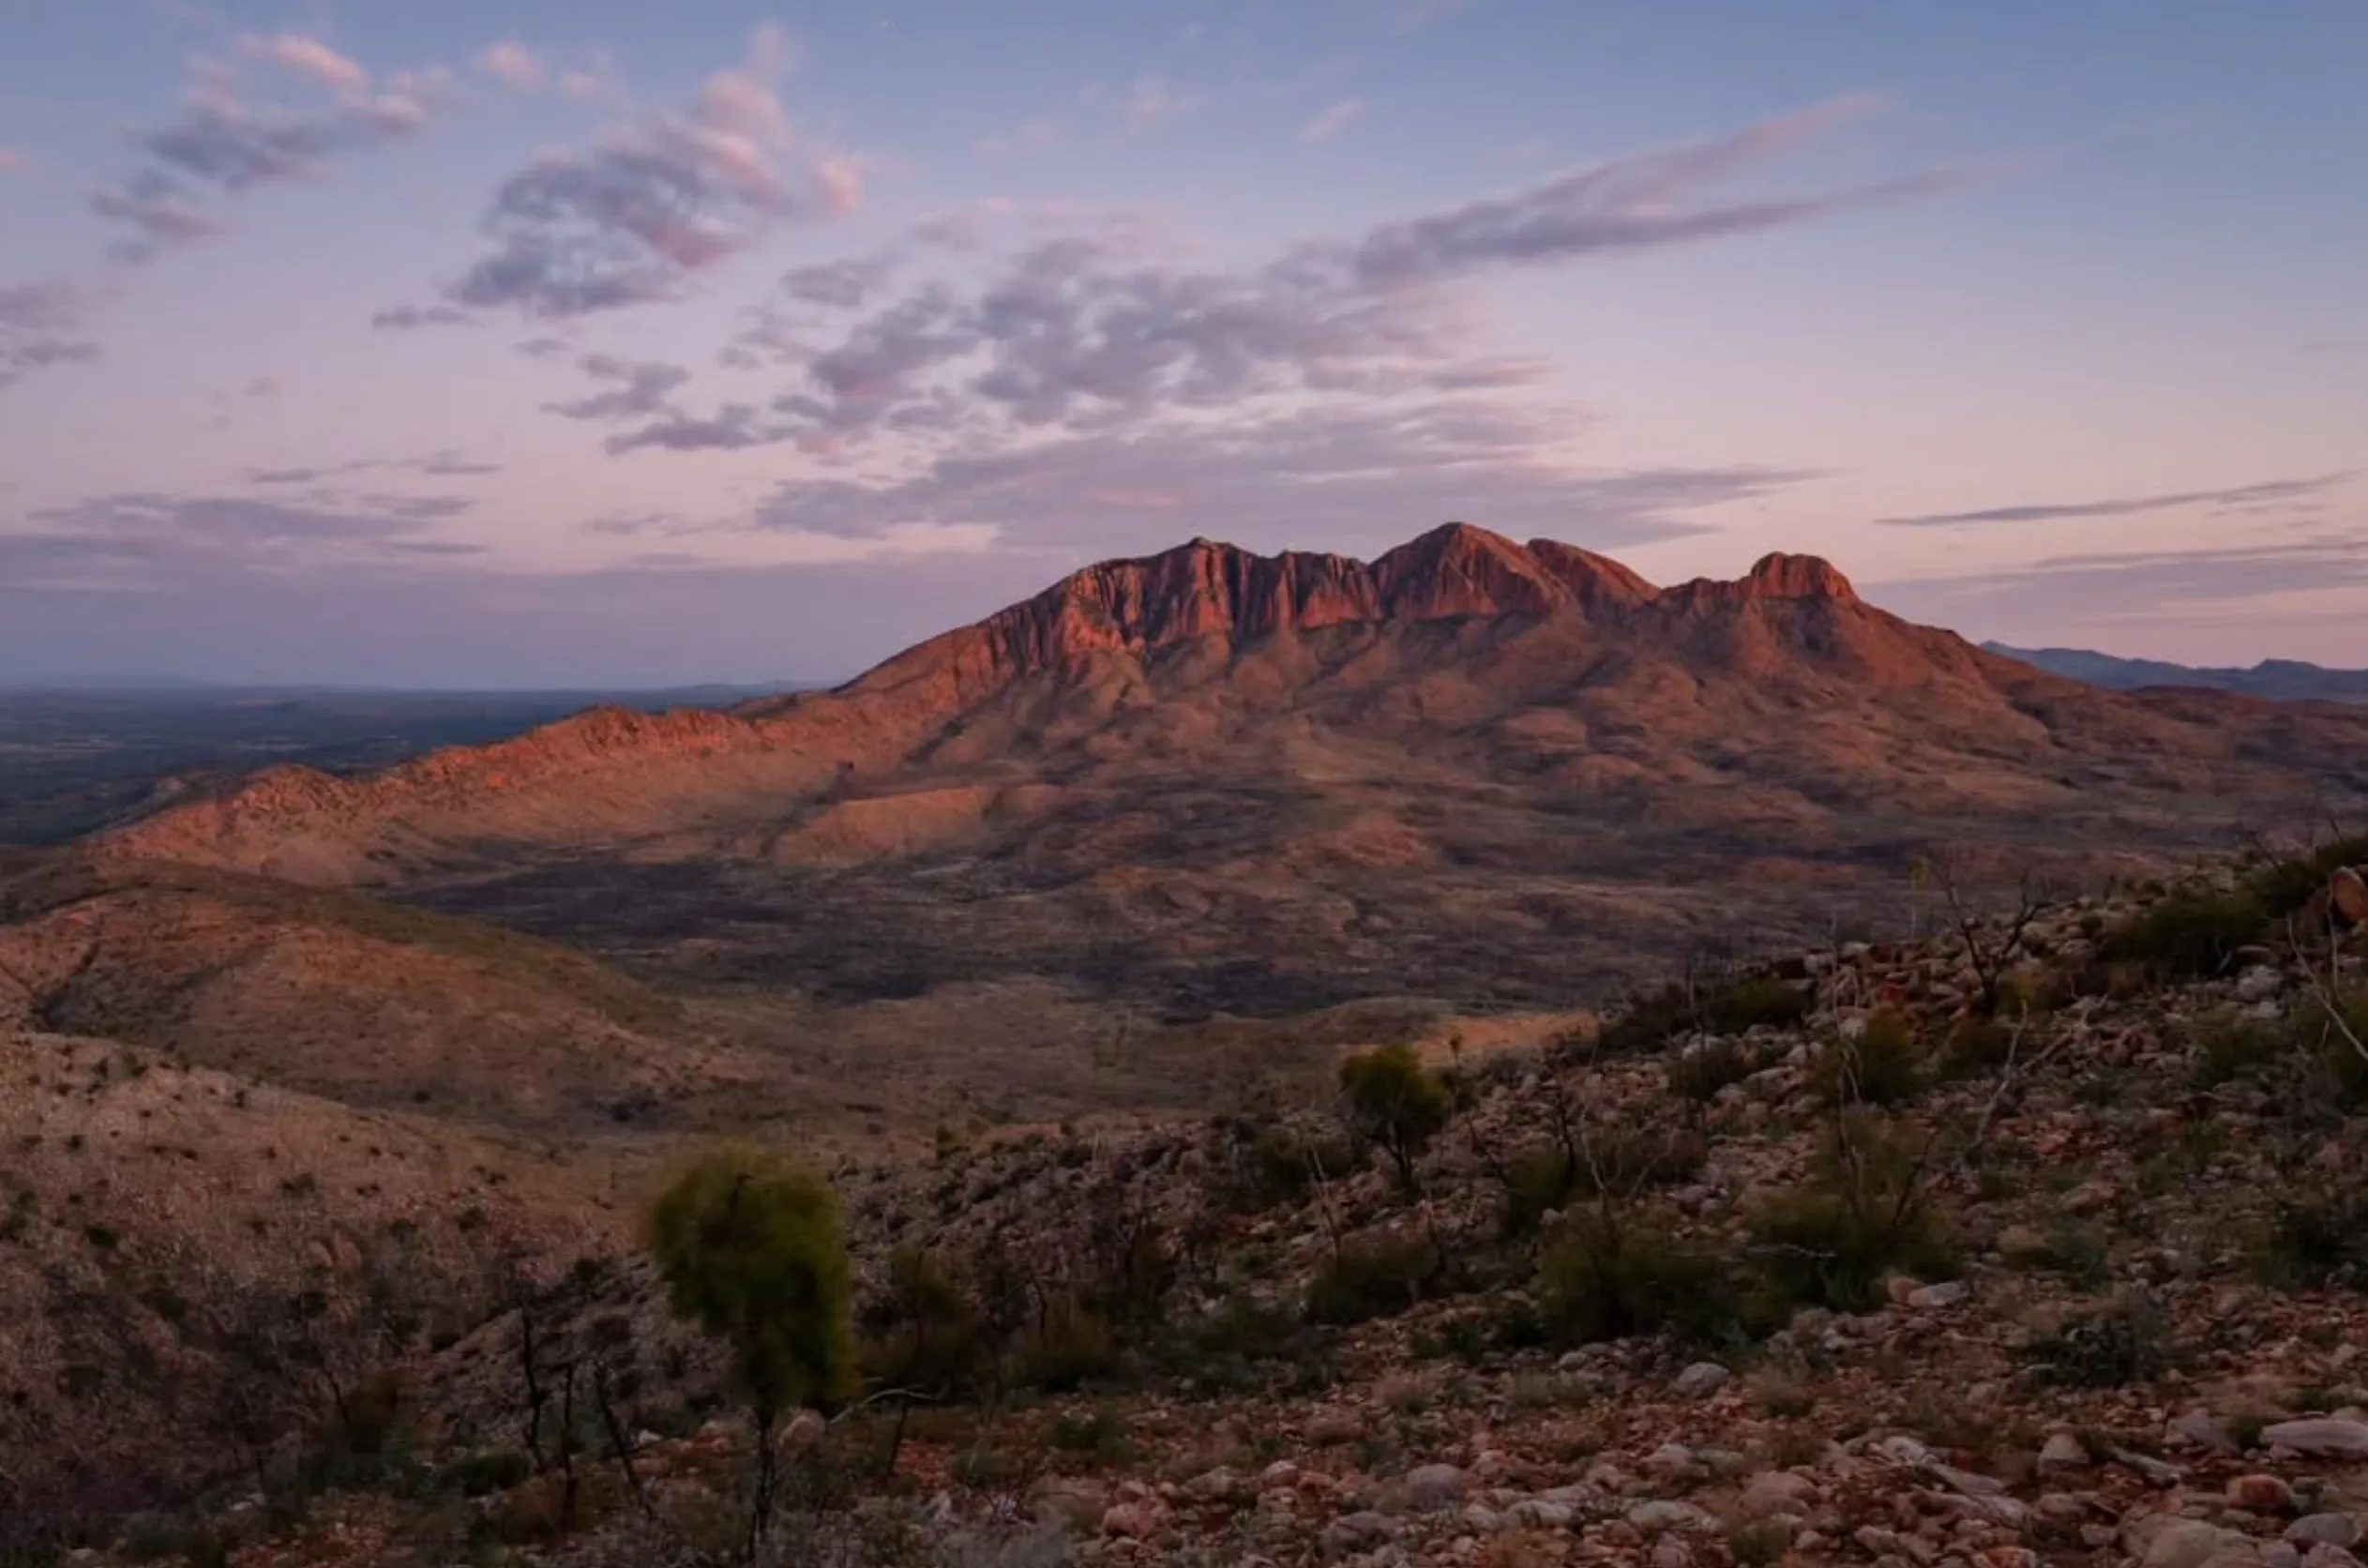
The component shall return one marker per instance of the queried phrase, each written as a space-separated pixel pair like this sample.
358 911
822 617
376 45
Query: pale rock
1674 1460
2064 1452
2156 1473
2168 1541
2327 1555
2321 1439
1539 1514
2198 1429
2333 1529
1212 1486
1430 1487
1074 1501
1672 1554
1947 1293
1702 1380
1134 1521
1778 1494
1667 1514
1356 1532
2259 983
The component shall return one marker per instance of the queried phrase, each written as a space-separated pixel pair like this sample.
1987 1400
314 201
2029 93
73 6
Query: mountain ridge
1208 780
2276 679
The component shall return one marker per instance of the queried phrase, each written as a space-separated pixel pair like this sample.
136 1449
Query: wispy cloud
446 464
1412 16
1333 121
2061 598
42 326
152 539
1098 328
513 65
306 57
635 388
410 318
1154 103
223 142
2266 492
663 198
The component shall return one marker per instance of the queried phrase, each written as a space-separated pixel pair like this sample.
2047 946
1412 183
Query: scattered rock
2260 1494
1702 1380
1432 1486
2333 1529
2064 1452
2323 1439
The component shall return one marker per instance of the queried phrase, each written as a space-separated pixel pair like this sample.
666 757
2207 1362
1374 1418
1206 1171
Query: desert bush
1394 1100
2126 1343
1100 1433
1980 1044
2229 1046
2317 1240
2282 886
1862 1213
1609 1276
1377 1277
1698 1074
2332 1033
1883 1067
1649 1021
2191 934
1624 1160
750 1250
922 1332
1757 999
1069 1345
478 1475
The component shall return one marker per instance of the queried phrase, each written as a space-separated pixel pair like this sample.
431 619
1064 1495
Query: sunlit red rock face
1486 661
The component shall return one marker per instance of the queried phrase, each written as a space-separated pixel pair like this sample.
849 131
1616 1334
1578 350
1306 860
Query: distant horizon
527 345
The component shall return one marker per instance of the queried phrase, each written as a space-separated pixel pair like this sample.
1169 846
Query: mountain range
1470 767
2281 680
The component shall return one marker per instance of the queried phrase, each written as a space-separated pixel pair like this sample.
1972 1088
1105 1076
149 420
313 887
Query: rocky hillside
2040 1241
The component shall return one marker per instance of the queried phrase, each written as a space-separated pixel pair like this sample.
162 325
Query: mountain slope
370 1005
1469 767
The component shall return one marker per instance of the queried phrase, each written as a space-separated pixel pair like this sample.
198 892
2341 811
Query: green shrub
2332 1035
923 1332
2281 887
1374 1278
1697 1074
2192 934
1619 1161
1069 1346
481 1474
2229 1046
750 1250
2320 1240
2125 1344
1862 1213
1757 999
1613 1278
1883 1067
1397 1101
1101 1433
1977 1046
1649 1022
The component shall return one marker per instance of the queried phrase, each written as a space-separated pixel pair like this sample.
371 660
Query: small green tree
750 1250
1397 1101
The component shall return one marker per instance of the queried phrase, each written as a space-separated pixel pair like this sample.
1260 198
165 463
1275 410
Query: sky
590 342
